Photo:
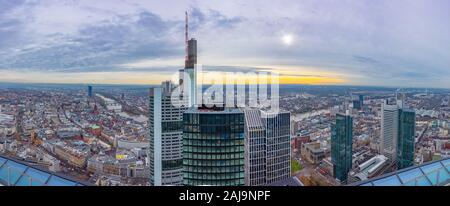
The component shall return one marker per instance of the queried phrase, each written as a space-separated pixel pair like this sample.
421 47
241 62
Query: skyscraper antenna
187 35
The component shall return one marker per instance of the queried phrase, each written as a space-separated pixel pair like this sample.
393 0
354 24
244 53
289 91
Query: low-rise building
314 152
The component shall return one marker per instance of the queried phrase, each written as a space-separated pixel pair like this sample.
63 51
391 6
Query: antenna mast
187 35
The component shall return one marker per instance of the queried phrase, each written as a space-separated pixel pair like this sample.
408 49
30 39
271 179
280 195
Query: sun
287 39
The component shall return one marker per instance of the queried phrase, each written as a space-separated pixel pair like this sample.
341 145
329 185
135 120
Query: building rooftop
434 173
292 181
214 110
370 167
16 173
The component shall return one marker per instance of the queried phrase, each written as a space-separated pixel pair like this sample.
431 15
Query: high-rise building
389 129
341 146
90 91
398 132
358 102
213 146
405 148
165 123
267 147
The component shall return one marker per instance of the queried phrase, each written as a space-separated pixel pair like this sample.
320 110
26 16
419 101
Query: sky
401 43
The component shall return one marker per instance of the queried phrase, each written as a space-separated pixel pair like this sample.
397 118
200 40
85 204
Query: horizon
156 85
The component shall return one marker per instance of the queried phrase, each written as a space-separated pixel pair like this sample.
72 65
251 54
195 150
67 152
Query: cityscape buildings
55 134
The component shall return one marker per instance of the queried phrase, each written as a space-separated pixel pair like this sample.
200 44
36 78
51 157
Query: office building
267 147
389 129
405 148
358 102
213 146
90 91
398 133
341 146
165 123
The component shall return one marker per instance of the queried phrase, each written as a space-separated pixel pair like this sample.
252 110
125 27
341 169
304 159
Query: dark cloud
100 45
104 45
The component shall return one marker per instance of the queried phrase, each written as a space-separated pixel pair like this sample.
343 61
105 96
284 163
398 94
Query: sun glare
287 39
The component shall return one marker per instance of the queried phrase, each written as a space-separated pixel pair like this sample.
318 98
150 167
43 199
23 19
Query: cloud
384 42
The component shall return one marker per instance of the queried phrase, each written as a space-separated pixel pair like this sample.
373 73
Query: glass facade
14 173
213 147
405 145
341 146
267 147
429 174
358 102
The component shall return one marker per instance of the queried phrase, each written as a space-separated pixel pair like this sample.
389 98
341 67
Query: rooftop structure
369 168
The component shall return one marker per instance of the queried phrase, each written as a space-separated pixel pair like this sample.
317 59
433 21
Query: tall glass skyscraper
341 146
213 146
358 102
405 149
90 91
165 122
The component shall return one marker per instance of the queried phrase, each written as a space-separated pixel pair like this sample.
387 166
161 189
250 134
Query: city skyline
309 42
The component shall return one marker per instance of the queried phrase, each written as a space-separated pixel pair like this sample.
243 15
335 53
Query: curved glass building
213 147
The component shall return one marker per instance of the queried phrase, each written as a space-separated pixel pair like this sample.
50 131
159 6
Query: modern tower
165 123
213 146
90 91
405 148
341 146
389 129
267 147
398 132
358 102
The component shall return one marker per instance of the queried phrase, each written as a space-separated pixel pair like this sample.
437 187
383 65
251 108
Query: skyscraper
405 148
89 91
389 129
341 146
398 132
213 146
267 147
358 102
165 123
